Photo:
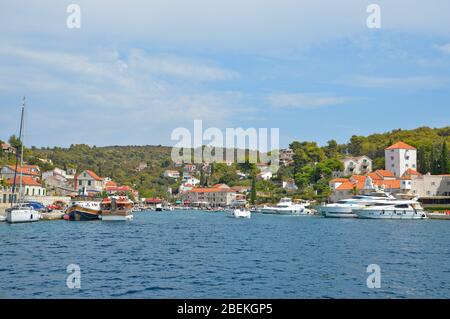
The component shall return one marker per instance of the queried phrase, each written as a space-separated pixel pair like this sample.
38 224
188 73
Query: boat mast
19 158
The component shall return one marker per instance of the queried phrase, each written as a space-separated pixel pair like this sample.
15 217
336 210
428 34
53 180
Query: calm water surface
199 255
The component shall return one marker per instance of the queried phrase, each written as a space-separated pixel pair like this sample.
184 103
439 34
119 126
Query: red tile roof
391 184
26 169
211 190
410 172
26 180
346 186
111 184
401 145
339 180
93 175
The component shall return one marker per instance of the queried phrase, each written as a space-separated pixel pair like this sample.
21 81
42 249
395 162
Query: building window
89 183
392 158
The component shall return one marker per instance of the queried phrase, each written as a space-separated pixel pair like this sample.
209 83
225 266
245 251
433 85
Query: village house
265 175
8 149
142 166
289 185
30 186
359 165
113 189
89 182
172 174
286 157
33 171
213 197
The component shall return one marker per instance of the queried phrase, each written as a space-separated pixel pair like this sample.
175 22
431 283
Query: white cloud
139 93
408 82
444 47
305 101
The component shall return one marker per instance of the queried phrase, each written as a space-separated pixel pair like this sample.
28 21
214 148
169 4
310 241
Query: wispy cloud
304 101
138 92
444 48
407 82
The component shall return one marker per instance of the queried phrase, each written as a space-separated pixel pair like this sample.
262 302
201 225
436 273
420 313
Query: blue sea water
191 254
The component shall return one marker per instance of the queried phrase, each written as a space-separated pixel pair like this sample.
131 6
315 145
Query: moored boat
116 209
287 207
84 210
345 207
396 209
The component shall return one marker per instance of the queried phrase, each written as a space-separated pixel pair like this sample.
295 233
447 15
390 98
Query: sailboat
21 212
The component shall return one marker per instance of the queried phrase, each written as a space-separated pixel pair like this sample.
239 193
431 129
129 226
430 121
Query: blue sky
135 71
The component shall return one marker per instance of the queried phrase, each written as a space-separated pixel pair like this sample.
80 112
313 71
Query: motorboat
392 209
345 207
240 213
287 207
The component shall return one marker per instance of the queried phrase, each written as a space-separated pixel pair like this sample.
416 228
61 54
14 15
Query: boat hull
22 216
442 216
116 217
82 214
332 214
387 214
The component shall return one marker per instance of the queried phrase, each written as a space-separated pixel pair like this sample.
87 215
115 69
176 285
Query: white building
88 181
430 185
359 165
400 157
172 174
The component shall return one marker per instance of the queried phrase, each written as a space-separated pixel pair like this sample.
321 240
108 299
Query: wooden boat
116 209
84 210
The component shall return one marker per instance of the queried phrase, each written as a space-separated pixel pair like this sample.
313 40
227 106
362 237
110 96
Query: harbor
195 254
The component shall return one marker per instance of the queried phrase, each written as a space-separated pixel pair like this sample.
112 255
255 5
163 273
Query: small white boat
2 218
397 209
240 213
286 207
158 208
22 214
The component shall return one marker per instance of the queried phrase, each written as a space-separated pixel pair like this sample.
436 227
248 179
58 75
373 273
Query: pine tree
444 164
434 162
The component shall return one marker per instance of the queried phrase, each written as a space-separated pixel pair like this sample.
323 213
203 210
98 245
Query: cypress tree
253 191
444 165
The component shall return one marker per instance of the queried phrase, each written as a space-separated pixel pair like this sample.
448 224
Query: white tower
400 157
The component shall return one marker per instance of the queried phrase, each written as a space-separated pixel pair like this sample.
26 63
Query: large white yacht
287 207
397 209
345 207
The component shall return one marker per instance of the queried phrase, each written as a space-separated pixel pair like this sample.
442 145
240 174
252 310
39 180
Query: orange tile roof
391 184
111 184
26 169
210 190
411 171
339 180
346 186
400 145
380 174
93 175
26 180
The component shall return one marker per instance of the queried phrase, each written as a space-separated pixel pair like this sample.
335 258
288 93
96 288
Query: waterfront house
114 189
30 186
89 182
214 197
400 157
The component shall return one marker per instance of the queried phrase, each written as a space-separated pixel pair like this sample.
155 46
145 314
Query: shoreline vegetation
143 167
